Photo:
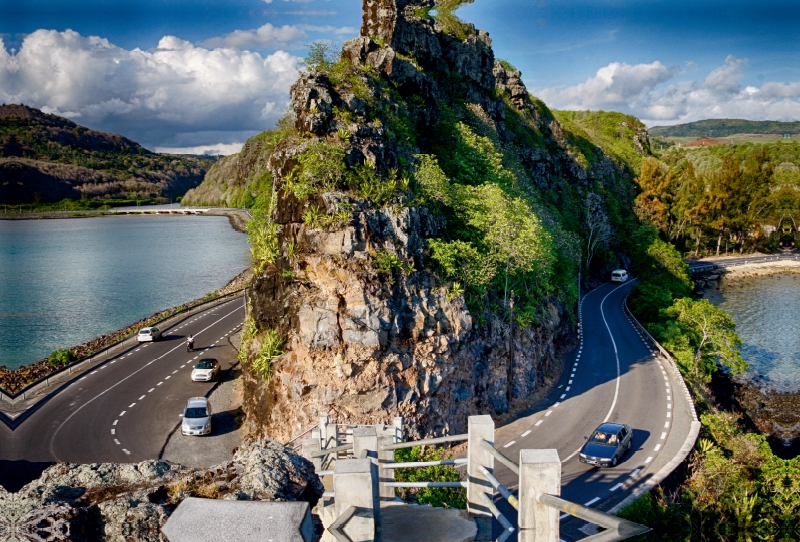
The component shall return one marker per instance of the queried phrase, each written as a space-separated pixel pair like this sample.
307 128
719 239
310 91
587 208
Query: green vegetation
611 131
715 200
438 497
59 358
735 489
268 344
725 128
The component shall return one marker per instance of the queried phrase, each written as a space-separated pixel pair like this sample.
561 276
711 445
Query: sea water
67 281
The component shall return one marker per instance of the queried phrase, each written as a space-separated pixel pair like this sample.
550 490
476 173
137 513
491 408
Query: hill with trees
726 128
46 158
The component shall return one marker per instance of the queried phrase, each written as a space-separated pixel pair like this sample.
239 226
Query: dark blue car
607 445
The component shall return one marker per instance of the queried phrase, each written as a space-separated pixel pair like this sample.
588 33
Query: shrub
434 496
60 357
271 347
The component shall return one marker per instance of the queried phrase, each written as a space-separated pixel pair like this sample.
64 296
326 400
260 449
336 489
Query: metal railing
426 442
617 528
716 265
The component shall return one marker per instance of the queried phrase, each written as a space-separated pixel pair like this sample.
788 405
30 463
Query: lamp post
510 387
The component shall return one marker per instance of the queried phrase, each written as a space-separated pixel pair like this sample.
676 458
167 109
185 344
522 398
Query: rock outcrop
368 340
131 502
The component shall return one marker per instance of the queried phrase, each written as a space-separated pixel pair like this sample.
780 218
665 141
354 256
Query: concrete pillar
480 428
398 426
386 437
309 447
352 486
539 472
324 420
365 441
316 433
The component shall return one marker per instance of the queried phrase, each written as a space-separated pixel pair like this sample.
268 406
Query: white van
619 275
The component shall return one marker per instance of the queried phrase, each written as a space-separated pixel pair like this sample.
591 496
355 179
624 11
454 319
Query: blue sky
205 74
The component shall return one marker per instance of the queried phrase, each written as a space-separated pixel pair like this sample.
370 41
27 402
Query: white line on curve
538 423
657 448
526 433
648 460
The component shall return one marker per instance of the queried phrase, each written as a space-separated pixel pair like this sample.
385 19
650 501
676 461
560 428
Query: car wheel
614 462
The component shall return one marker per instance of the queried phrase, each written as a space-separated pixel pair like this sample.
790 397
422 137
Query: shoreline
771 412
14 380
238 218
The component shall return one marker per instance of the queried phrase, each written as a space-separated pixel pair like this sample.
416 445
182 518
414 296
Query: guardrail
107 349
371 471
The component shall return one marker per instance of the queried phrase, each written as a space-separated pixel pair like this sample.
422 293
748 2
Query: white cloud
271 36
222 148
174 95
652 93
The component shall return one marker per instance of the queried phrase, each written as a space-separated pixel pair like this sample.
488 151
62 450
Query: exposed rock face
366 344
116 502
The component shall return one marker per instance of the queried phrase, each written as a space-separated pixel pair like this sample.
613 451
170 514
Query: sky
201 76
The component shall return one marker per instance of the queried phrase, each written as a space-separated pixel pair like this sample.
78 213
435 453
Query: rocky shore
774 413
13 380
131 502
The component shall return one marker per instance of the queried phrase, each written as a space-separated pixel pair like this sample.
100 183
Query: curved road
125 408
614 376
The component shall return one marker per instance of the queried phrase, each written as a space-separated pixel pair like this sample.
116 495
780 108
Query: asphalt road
613 376
125 409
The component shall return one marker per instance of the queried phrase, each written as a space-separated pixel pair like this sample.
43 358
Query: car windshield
144 332
205 364
196 412
602 437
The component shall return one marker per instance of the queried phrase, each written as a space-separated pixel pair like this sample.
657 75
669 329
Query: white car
148 334
206 370
619 275
196 417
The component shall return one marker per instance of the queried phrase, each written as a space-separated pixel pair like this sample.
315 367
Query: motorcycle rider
190 343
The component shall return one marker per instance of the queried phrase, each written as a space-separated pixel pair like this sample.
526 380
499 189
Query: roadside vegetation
723 199
735 488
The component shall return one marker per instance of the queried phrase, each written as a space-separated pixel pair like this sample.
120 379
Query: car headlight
584 456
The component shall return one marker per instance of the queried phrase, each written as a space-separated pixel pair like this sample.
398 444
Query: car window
155 330
601 437
205 365
196 412
624 432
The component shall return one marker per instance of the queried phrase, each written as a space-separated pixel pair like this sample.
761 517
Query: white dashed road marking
116 442
538 423
510 444
526 433
121 414
657 448
590 503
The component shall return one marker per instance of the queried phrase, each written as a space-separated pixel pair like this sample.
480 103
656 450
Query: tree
597 224
715 338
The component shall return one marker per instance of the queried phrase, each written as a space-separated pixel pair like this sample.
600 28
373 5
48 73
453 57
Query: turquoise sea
64 282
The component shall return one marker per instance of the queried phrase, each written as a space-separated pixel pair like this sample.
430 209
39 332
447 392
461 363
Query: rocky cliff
352 273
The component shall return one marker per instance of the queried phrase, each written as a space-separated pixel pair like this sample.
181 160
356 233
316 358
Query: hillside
414 188
45 158
726 128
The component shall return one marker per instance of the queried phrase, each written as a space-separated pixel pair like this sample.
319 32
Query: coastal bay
64 282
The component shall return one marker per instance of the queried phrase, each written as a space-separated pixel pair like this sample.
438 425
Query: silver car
197 417
206 370
148 334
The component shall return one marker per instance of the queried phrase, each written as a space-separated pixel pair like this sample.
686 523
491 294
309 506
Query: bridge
169 209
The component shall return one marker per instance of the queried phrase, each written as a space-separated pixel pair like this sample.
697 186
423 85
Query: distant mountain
45 158
725 128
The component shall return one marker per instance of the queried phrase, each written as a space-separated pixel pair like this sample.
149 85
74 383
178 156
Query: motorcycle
190 346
